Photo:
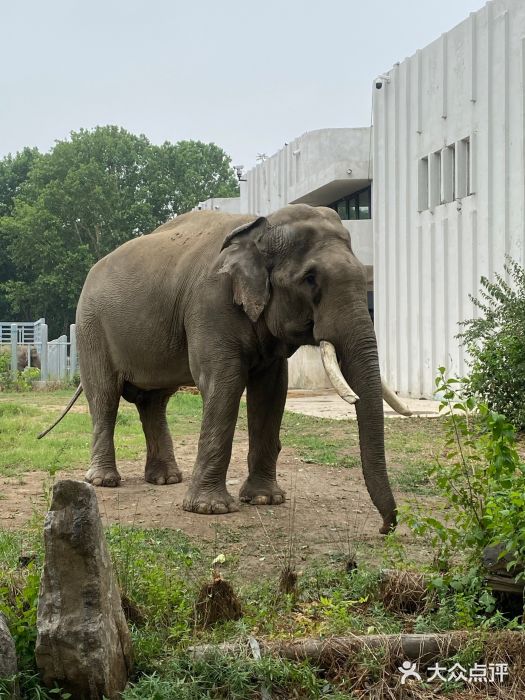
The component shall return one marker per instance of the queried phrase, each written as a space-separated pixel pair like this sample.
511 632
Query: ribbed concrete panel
464 92
318 168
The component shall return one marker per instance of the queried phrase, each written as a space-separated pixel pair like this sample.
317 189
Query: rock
83 641
8 667
495 563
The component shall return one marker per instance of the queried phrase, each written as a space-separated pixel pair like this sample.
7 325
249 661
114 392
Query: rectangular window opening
422 188
448 174
435 179
463 167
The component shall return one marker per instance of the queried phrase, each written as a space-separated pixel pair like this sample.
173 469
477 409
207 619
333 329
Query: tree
86 197
190 172
14 171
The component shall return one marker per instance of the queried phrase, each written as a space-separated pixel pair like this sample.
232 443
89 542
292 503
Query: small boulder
83 641
8 668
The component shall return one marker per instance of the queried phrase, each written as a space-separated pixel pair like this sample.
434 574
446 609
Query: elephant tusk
393 400
331 365
329 357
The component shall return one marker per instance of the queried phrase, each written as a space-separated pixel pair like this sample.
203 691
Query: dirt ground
333 512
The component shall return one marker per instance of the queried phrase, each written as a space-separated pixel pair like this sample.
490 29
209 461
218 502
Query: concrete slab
328 404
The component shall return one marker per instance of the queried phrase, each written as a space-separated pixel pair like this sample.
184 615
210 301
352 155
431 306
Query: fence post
14 356
43 353
72 350
62 358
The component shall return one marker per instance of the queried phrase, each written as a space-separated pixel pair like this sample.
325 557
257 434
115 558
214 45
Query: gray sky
248 75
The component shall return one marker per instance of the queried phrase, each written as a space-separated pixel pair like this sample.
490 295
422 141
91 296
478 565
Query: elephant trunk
331 365
357 353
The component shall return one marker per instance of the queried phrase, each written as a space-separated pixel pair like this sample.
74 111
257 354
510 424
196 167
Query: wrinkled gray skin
22 357
220 301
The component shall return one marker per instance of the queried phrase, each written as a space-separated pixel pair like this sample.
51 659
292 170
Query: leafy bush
18 602
495 342
21 381
482 481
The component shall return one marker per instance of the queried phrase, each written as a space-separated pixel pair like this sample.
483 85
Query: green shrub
482 481
18 602
495 342
22 380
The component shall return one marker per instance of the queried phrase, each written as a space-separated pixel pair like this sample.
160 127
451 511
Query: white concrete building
449 185
448 154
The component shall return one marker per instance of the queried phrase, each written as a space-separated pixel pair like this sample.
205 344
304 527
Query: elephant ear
245 264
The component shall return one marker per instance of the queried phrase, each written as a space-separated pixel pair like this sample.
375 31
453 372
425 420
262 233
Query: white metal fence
57 358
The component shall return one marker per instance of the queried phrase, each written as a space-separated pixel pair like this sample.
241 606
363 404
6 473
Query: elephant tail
66 409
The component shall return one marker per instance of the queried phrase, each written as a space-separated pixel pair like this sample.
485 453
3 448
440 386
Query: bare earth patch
333 511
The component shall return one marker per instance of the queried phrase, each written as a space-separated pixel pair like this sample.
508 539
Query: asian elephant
221 301
26 356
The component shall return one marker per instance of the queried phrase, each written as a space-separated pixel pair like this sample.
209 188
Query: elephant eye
309 278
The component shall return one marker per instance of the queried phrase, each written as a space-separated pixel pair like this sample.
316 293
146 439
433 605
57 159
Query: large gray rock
7 653
83 641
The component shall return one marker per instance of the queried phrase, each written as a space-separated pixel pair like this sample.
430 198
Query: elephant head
295 272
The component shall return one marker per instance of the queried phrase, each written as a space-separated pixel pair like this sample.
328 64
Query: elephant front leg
266 396
207 493
161 466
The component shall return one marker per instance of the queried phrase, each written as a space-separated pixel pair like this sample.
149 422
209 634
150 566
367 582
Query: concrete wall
231 205
306 371
316 168
362 237
428 255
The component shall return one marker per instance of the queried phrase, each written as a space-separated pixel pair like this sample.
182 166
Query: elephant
26 356
220 301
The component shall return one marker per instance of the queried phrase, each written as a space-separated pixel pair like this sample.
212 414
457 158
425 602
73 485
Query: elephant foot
103 476
389 523
262 493
209 501
161 473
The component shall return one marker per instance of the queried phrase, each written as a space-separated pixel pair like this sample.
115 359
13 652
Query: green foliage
14 171
226 678
495 341
22 380
19 605
482 481
62 211
24 416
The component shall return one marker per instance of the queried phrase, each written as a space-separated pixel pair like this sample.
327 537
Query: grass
410 444
24 416
161 570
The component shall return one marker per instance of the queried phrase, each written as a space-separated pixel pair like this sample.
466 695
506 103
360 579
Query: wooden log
423 647
505 584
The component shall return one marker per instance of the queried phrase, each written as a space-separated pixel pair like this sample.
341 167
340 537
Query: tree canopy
62 211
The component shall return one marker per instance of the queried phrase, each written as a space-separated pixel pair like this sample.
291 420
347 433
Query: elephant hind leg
161 465
103 406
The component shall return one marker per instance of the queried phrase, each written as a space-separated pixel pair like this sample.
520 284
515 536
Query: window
463 165
434 172
422 189
445 175
357 205
448 174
